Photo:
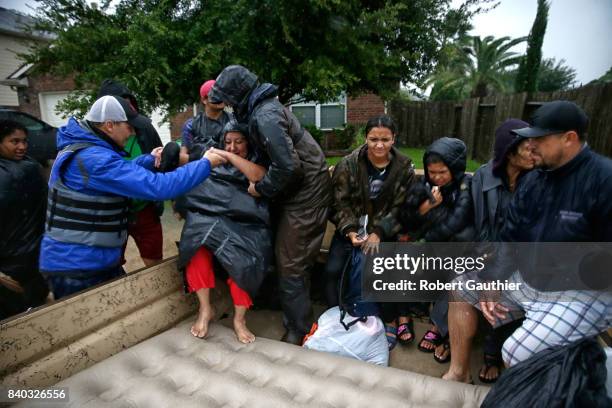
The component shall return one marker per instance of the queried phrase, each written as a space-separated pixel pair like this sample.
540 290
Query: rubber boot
297 310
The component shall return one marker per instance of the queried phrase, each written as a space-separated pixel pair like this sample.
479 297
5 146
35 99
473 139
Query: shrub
349 137
345 136
316 133
359 138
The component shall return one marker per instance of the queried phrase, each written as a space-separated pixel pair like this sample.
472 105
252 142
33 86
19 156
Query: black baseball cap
555 117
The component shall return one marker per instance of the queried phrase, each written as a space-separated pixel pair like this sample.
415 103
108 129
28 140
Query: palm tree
475 67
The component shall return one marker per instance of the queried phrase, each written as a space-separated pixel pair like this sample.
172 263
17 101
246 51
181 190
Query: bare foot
200 327
488 373
459 377
442 352
243 333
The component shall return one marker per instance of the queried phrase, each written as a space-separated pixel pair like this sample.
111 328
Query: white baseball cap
115 109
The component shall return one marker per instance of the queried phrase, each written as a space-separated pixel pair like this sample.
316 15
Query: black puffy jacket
148 138
453 219
23 200
297 175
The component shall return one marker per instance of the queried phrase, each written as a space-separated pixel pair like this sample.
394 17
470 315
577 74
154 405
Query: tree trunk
479 91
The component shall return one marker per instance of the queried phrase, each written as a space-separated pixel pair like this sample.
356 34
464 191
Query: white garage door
48 101
163 128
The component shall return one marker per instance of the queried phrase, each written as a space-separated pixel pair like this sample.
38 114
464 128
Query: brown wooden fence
474 120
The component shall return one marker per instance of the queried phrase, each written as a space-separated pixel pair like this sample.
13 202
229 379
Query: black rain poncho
234 226
23 200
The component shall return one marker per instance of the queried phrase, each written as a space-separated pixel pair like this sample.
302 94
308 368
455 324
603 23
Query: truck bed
127 343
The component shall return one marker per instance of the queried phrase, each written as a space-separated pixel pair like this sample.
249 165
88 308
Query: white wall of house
163 128
9 63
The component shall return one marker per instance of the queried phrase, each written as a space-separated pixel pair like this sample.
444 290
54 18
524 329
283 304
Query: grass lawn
416 155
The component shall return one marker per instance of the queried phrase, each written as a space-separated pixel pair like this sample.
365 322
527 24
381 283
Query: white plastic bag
363 341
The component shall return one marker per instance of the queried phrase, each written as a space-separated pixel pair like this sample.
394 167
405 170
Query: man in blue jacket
568 199
145 226
89 187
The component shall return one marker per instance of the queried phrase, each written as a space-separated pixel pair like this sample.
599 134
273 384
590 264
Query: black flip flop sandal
490 361
432 337
446 346
403 329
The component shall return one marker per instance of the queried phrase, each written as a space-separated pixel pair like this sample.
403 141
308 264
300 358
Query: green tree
527 77
475 69
555 76
164 49
607 77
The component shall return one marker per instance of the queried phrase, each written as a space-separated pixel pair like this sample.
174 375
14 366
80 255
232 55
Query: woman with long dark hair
370 183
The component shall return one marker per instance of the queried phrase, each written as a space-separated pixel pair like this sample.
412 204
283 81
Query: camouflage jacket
351 194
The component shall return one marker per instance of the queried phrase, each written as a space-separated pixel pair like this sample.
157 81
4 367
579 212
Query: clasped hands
214 156
226 156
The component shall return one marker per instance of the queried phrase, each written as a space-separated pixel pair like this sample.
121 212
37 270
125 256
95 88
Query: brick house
345 110
336 114
39 94
14 39
363 107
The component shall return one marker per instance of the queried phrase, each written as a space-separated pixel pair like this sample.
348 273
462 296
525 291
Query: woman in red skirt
223 229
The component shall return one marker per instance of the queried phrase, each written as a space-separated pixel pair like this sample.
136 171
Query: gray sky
580 31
